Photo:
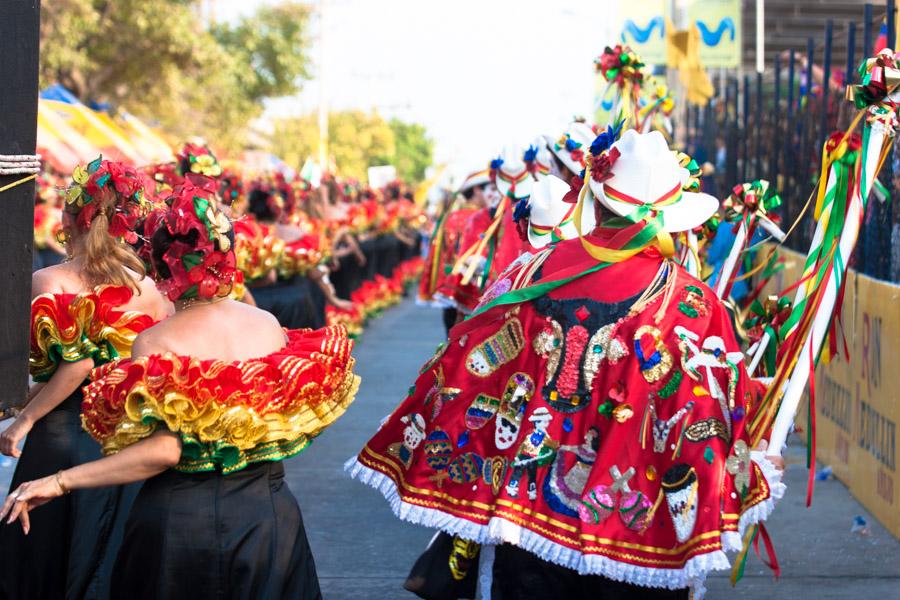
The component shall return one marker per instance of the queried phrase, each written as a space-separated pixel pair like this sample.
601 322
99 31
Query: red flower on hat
601 166
577 155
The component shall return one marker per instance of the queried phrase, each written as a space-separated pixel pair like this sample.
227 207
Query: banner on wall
643 27
857 408
719 23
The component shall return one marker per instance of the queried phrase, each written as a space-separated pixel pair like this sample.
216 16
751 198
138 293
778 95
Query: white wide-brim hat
549 212
540 414
512 178
542 158
572 146
647 173
474 179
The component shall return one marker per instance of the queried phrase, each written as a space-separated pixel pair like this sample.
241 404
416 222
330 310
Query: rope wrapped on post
20 164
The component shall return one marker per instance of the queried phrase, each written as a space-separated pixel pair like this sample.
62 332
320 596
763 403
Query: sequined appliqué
516 397
707 429
481 410
548 344
692 303
564 484
413 436
654 359
681 488
497 350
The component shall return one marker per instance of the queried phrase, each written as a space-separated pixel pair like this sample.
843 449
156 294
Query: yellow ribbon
603 254
9 186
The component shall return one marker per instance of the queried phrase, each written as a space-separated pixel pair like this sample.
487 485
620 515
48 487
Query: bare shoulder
151 301
150 341
57 279
251 316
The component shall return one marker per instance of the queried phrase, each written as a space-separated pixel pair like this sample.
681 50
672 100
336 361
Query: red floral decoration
89 182
205 268
601 166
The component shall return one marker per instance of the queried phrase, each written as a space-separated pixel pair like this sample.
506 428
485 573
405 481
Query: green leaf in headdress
94 164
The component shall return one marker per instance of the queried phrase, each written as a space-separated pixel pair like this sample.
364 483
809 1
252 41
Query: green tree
271 49
413 150
156 59
357 140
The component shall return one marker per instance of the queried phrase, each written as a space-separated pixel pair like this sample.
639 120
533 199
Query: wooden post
867 31
19 44
789 148
891 23
759 123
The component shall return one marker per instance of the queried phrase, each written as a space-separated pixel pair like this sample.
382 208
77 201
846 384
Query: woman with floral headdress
210 403
85 312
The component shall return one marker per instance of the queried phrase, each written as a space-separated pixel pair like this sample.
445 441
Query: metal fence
773 126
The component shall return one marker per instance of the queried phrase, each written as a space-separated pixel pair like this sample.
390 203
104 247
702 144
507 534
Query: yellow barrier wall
858 403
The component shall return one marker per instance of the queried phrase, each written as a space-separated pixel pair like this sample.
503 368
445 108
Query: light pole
323 96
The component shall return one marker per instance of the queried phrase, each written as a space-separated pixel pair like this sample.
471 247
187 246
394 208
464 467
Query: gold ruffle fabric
72 327
228 414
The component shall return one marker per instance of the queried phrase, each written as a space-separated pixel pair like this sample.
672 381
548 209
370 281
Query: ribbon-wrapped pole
817 324
852 165
747 207
623 69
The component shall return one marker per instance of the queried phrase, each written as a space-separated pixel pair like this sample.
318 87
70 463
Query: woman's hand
9 439
775 459
341 304
29 496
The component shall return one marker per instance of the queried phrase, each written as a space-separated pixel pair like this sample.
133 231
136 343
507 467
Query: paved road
363 552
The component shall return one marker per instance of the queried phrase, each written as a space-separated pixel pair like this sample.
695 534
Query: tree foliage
272 45
156 59
357 140
413 150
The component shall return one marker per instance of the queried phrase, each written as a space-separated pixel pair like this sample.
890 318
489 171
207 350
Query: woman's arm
147 458
69 376
248 297
320 277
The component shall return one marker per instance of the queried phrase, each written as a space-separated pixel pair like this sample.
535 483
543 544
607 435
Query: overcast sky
479 74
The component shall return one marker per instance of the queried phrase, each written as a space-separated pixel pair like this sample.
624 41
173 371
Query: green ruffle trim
58 352
197 456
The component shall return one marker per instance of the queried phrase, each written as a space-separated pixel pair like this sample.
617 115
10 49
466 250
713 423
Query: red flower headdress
83 196
198 159
204 268
231 188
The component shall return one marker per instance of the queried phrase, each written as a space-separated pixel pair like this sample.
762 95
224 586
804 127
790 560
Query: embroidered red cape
72 327
607 443
228 414
443 250
505 247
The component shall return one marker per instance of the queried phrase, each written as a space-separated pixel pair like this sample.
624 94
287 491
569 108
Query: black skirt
208 535
71 548
289 300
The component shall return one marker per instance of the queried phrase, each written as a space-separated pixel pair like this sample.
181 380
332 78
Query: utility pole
19 47
323 96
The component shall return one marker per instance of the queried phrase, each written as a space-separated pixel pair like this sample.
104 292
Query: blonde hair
107 259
